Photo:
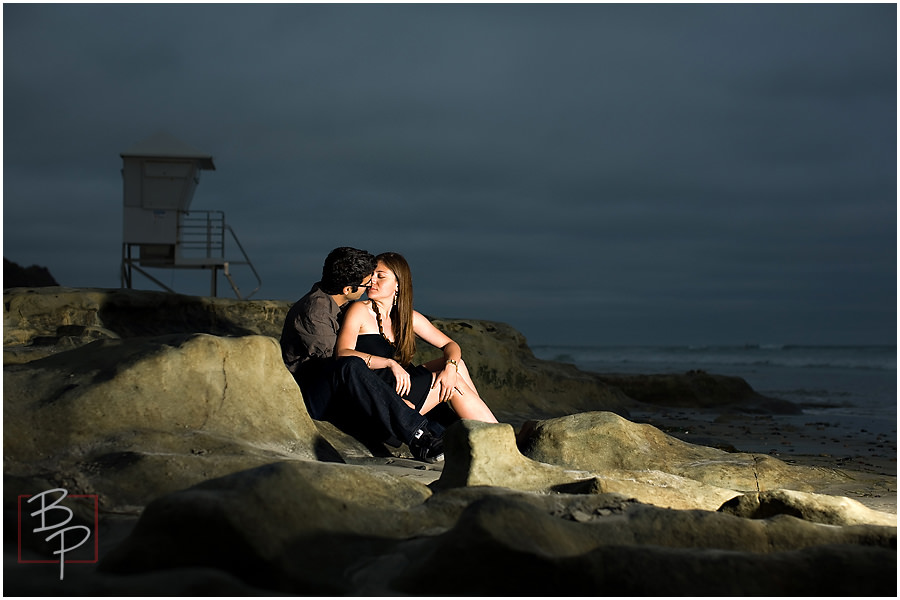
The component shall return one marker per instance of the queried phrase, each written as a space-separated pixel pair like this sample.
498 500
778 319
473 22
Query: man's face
363 287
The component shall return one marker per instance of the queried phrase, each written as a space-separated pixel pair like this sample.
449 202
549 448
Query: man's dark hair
345 266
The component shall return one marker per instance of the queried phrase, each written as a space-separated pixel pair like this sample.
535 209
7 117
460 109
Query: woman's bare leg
464 373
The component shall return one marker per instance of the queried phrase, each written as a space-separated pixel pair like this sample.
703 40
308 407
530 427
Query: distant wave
772 355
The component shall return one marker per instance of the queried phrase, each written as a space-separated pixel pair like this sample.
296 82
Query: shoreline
841 418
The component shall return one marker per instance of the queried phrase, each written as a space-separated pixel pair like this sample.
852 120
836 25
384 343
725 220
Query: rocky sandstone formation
178 411
310 528
134 418
44 321
696 389
608 442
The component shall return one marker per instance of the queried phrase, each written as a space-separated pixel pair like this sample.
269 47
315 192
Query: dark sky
588 173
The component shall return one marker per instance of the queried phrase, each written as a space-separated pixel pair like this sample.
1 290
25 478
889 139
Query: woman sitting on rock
382 330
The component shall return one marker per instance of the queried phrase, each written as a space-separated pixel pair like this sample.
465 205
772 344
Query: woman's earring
396 295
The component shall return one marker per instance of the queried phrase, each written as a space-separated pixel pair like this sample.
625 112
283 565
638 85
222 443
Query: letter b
45 508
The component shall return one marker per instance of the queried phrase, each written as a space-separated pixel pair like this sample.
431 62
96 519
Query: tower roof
163 145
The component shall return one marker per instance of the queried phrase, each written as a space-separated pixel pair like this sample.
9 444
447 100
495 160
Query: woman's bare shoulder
359 305
360 310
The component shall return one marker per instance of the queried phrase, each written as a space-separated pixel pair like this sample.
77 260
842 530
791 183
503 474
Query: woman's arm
349 331
423 328
447 377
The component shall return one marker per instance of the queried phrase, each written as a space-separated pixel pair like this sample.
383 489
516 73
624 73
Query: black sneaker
426 447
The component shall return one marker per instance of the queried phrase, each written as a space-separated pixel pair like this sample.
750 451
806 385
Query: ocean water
852 385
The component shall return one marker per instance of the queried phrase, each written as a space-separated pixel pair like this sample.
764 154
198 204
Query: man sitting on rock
344 390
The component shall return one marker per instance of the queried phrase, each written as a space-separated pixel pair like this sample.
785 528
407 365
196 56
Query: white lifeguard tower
160 175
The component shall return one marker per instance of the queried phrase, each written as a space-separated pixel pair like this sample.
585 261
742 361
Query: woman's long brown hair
401 312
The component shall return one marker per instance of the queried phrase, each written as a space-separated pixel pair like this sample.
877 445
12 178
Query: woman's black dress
420 377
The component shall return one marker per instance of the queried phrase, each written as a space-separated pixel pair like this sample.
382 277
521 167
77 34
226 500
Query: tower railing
201 234
200 244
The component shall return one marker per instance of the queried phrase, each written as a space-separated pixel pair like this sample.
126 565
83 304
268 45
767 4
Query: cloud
615 173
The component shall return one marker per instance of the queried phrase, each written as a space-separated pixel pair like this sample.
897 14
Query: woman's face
384 283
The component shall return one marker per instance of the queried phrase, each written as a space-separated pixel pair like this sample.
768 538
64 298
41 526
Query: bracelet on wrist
450 361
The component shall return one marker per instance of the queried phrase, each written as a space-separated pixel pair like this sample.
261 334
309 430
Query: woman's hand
447 380
402 377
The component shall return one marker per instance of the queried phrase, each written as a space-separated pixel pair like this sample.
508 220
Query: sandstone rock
603 441
697 389
179 409
510 545
816 508
653 487
306 528
45 321
133 419
515 383
258 524
486 454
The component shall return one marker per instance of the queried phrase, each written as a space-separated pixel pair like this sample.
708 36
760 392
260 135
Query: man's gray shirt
310 329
